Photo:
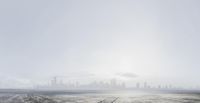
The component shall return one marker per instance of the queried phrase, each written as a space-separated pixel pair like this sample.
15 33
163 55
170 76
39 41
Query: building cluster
148 86
113 84
56 83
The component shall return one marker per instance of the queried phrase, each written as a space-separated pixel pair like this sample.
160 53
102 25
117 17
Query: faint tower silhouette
77 84
113 82
145 84
159 86
54 81
138 85
170 86
123 85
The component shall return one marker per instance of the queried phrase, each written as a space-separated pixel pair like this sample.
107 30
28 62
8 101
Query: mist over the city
131 41
99 51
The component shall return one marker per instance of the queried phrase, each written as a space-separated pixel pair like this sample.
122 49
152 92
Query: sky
156 41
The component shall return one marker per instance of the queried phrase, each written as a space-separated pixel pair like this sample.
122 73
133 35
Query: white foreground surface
117 97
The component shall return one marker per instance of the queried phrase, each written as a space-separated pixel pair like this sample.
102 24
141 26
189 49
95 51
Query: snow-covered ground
101 98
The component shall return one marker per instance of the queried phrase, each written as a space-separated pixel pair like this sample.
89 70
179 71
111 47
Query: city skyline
57 83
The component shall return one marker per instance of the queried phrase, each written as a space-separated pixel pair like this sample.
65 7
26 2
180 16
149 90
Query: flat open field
97 97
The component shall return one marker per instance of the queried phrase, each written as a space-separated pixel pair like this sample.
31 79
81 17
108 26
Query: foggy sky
131 40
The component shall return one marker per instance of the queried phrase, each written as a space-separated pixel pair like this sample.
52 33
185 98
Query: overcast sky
132 40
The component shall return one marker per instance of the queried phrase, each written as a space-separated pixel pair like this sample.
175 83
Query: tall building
113 83
138 85
54 81
145 85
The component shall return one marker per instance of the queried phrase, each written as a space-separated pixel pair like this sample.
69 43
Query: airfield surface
107 97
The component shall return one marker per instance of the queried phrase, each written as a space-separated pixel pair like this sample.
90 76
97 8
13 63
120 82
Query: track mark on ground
109 100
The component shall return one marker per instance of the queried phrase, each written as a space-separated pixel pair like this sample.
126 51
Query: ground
114 97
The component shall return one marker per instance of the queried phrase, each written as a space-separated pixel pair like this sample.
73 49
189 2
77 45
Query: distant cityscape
56 83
